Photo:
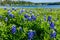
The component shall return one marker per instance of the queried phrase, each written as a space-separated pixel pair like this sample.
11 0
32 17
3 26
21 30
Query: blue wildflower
31 34
0 16
11 15
52 25
20 28
13 8
9 11
13 29
21 11
5 8
49 18
33 17
26 16
45 17
6 19
29 18
53 35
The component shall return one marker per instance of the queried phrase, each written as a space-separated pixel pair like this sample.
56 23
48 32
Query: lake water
44 6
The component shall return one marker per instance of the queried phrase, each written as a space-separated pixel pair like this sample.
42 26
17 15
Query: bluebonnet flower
29 18
52 25
53 35
31 34
6 19
5 8
13 30
11 15
13 8
26 15
33 17
9 11
0 16
20 28
45 17
49 18
21 11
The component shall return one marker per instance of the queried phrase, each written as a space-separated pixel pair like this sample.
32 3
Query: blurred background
28 2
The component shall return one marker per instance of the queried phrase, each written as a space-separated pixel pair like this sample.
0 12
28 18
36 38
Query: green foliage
39 25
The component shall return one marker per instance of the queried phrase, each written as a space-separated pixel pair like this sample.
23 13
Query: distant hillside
55 3
27 3
19 3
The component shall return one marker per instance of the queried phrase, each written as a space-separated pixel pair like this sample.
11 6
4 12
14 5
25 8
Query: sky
37 1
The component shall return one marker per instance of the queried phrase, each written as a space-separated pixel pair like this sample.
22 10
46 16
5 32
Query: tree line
27 3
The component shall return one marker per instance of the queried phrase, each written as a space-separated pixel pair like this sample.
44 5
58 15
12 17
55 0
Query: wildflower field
29 24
